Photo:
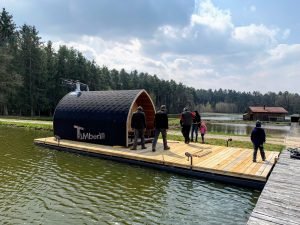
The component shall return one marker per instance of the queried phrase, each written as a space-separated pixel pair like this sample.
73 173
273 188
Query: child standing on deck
202 130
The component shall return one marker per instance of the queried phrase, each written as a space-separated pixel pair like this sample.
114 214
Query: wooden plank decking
225 161
279 202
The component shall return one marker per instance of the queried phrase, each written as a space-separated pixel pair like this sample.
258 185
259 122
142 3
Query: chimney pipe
77 87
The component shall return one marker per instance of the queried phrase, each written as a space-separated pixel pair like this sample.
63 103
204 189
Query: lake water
240 128
221 116
245 129
44 186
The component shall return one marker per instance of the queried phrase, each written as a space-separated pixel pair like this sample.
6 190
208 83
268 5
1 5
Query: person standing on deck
195 125
161 125
258 137
138 124
186 120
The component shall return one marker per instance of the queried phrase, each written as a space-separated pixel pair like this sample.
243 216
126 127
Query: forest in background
31 74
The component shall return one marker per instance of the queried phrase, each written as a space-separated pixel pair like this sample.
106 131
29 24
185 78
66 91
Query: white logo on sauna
89 136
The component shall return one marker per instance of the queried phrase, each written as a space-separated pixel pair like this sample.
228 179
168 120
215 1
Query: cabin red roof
262 109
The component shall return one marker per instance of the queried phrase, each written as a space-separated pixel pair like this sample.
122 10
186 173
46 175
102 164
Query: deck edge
242 182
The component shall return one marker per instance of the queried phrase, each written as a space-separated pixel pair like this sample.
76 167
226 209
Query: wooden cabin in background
264 113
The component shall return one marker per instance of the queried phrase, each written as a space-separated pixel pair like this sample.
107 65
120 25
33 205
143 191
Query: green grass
173 116
174 123
27 125
238 144
27 118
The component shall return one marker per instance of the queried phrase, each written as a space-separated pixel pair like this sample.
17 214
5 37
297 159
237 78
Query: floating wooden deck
229 164
279 202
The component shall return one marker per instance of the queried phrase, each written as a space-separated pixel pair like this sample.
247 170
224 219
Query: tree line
31 74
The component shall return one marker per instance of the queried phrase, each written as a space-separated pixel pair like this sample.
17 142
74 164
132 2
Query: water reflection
44 186
221 116
239 128
245 129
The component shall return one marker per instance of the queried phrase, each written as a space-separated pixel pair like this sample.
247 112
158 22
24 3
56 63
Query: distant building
265 113
295 118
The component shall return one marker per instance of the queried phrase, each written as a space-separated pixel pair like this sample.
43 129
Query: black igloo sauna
102 117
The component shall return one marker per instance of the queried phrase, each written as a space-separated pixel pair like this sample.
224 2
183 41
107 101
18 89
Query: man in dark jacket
138 124
258 137
186 120
161 125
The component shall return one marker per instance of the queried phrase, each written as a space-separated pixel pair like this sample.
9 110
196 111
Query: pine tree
9 79
30 58
50 68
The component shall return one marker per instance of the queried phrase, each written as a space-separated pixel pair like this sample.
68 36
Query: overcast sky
245 45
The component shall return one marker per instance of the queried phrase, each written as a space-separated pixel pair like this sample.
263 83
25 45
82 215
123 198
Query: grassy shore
211 141
41 118
36 126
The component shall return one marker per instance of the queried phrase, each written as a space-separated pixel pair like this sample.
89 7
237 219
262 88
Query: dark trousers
164 136
138 133
195 127
262 152
202 137
186 132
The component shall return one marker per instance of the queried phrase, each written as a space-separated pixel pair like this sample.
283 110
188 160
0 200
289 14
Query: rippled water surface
245 129
44 186
240 128
221 116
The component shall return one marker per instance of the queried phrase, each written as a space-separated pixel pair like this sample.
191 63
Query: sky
243 45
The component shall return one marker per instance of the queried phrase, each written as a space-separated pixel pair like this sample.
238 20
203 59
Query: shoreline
273 144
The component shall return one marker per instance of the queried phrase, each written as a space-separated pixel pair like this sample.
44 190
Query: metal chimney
77 87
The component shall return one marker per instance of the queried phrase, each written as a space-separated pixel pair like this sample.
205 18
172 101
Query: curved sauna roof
101 117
